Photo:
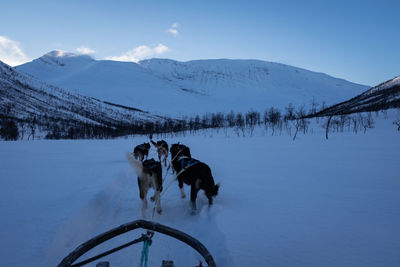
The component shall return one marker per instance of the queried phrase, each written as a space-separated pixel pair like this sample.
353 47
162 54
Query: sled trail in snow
118 204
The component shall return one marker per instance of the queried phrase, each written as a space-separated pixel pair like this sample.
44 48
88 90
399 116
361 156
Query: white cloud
141 52
161 49
85 50
11 53
174 29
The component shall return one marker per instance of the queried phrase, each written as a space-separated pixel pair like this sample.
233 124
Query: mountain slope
124 83
241 77
383 96
24 98
171 87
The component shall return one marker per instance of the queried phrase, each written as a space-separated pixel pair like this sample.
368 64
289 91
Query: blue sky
355 40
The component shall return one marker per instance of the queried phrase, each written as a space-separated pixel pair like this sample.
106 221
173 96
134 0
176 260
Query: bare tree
368 122
397 123
327 127
239 123
314 106
289 112
22 127
301 123
273 119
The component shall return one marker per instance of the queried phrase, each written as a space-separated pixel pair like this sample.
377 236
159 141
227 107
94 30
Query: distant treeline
50 128
292 120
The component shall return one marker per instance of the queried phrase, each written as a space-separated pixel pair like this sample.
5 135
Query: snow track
311 202
119 203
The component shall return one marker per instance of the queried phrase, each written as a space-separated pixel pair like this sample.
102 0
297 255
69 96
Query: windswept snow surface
309 202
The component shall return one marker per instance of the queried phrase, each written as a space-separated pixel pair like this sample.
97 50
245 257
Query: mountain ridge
166 86
384 96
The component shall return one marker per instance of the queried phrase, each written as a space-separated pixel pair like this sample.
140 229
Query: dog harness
142 147
151 163
186 163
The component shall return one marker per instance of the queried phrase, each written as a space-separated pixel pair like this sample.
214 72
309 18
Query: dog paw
193 211
152 199
183 195
159 210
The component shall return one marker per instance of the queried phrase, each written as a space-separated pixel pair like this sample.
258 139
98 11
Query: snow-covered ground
309 202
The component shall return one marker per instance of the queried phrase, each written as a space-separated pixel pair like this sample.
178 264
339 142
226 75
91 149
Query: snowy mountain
124 83
25 99
383 96
171 87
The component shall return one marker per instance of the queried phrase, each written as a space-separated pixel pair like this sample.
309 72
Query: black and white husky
194 173
149 174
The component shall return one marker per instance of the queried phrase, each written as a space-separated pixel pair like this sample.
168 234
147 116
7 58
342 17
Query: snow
63 54
390 83
308 202
170 87
29 96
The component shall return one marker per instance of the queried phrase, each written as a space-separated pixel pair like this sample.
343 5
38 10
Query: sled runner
152 227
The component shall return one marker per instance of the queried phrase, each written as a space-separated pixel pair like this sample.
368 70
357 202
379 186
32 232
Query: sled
152 227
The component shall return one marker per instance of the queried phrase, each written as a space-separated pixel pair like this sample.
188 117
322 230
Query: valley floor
308 202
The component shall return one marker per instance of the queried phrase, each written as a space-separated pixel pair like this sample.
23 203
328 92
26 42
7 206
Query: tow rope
145 250
192 163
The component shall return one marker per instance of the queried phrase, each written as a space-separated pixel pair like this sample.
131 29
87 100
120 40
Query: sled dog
162 149
179 150
141 151
196 174
149 174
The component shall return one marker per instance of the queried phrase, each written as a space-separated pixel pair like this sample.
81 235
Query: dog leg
159 155
180 182
210 200
143 196
158 202
182 192
144 207
154 197
193 195
210 197
141 188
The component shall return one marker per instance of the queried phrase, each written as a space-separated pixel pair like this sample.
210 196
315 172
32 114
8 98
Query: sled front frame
152 226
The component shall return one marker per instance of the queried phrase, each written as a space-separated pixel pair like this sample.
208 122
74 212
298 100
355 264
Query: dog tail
216 188
154 143
136 164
